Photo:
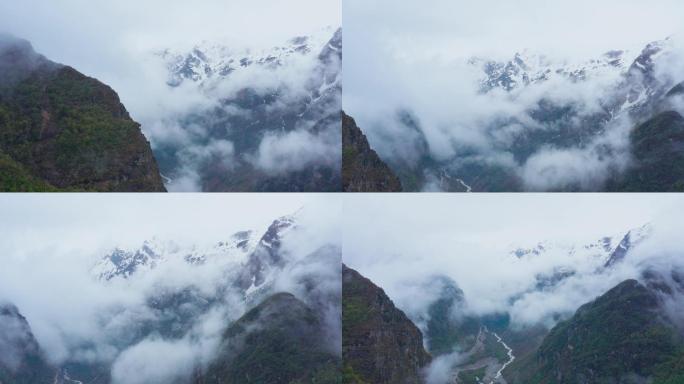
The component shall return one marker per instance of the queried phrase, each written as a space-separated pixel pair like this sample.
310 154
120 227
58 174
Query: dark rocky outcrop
379 342
61 130
676 90
362 169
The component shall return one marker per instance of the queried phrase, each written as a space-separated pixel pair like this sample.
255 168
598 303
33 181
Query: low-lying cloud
132 324
475 246
430 63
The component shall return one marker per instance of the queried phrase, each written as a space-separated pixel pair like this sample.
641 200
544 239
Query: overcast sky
462 28
402 239
51 222
78 32
383 35
383 38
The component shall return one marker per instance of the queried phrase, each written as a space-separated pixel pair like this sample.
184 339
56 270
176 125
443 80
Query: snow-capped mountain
254 249
637 88
255 100
628 242
527 68
595 257
209 61
642 87
608 250
124 263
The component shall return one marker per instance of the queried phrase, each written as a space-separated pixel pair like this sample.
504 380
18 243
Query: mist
473 240
428 62
52 245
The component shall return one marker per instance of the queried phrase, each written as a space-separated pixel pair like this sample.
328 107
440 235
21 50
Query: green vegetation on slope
15 178
69 131
279 341
619 335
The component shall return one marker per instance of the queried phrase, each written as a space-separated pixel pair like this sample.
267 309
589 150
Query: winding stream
511 358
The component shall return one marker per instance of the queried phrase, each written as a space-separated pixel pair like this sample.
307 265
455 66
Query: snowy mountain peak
255 249
152 253
124 263
237 248
629 241
277 230
566 261
646 60
526 68
602 250
207 61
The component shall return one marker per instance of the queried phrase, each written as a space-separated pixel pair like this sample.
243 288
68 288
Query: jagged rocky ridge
362 168
61 130
265 133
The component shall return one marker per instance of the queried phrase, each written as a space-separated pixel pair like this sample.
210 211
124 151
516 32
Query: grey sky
31 223
463 28
383 36
387 43
76 32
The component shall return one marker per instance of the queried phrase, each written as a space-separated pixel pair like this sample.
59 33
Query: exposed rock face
362 169
279 341
61 130
621 337
266 255
379 343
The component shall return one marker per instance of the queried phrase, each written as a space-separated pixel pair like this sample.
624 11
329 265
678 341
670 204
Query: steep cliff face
61 130
379 343
279 341
362 169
